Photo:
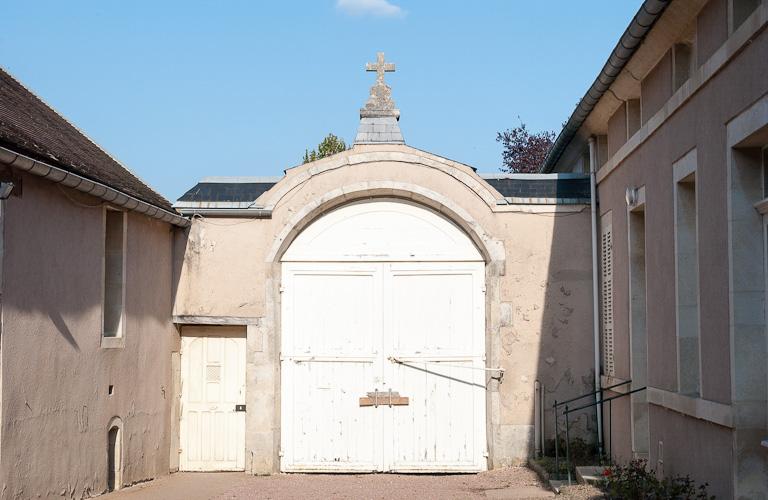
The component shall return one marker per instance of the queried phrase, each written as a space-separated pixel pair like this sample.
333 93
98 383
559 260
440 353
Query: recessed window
682 60
741 10
637 316
111 390
687 275
114 274
633 117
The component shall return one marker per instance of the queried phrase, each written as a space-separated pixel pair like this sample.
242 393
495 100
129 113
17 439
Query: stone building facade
676 139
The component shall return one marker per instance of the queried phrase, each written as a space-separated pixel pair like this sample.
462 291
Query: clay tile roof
30 127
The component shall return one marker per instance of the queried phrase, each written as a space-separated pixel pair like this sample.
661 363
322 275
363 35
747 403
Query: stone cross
380 67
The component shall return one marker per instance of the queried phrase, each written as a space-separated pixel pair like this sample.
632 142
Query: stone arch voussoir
491 249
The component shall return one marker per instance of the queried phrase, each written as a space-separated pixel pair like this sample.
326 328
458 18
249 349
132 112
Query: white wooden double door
353 328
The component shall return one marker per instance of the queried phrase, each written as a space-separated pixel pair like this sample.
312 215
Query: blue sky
179 90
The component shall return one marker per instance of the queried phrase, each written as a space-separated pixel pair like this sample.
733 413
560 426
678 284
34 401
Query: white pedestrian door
212 403
355 329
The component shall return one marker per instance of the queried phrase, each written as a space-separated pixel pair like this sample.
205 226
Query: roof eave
633 36
94 188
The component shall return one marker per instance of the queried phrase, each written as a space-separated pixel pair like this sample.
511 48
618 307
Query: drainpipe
2 289
595 291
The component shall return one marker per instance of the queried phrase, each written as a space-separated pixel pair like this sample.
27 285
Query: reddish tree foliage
524 152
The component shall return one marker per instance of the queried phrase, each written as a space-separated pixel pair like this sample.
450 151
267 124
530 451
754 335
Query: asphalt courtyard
506 483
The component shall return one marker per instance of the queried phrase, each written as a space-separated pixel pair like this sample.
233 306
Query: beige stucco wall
711 29
55 375
539 304
697 448
656 88
617 130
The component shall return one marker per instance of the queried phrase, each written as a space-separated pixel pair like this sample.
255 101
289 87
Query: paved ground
508 483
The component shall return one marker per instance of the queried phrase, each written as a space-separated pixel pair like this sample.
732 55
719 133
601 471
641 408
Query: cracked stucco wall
55 401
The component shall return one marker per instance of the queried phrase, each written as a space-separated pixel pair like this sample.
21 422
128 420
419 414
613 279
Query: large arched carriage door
383 344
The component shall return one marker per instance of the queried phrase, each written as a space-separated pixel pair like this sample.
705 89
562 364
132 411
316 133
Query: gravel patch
509 482
581 492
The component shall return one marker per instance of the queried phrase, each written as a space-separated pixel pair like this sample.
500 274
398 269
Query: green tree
329 146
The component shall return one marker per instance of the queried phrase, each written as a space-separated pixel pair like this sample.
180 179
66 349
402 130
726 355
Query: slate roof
560 188
572 187
225 189
30 127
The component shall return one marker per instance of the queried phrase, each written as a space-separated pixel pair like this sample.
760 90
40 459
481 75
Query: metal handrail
601 402
604 400
592 393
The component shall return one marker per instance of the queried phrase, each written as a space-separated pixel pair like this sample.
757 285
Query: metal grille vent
606 303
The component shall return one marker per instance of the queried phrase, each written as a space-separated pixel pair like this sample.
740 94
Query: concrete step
590 474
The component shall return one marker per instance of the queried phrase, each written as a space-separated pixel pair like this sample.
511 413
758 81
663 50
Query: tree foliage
327 147
524 152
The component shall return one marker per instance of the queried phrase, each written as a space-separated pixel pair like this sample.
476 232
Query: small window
741 10
682 61
114 274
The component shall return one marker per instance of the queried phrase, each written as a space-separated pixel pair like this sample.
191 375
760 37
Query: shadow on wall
566 355
50 272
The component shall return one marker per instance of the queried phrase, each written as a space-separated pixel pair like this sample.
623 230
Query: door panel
354 328
434 314
437 430
330 357
213 383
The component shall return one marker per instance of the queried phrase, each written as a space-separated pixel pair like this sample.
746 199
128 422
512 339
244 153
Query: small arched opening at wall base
114 455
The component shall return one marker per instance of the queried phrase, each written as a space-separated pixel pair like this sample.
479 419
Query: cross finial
380 67
380 101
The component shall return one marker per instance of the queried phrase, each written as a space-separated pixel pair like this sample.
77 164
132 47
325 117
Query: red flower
607 472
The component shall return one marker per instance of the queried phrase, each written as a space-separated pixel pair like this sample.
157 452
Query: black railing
598 402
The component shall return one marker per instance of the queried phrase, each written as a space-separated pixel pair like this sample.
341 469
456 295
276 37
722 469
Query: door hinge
280 453
486 454
483 289
282 288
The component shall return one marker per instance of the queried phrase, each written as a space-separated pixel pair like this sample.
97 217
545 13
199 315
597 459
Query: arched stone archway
491 249
383 300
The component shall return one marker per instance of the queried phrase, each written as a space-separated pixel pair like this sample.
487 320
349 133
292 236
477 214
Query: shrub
636 481
582 452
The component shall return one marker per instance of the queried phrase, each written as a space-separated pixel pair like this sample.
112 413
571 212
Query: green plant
635 481
582 452
329 146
